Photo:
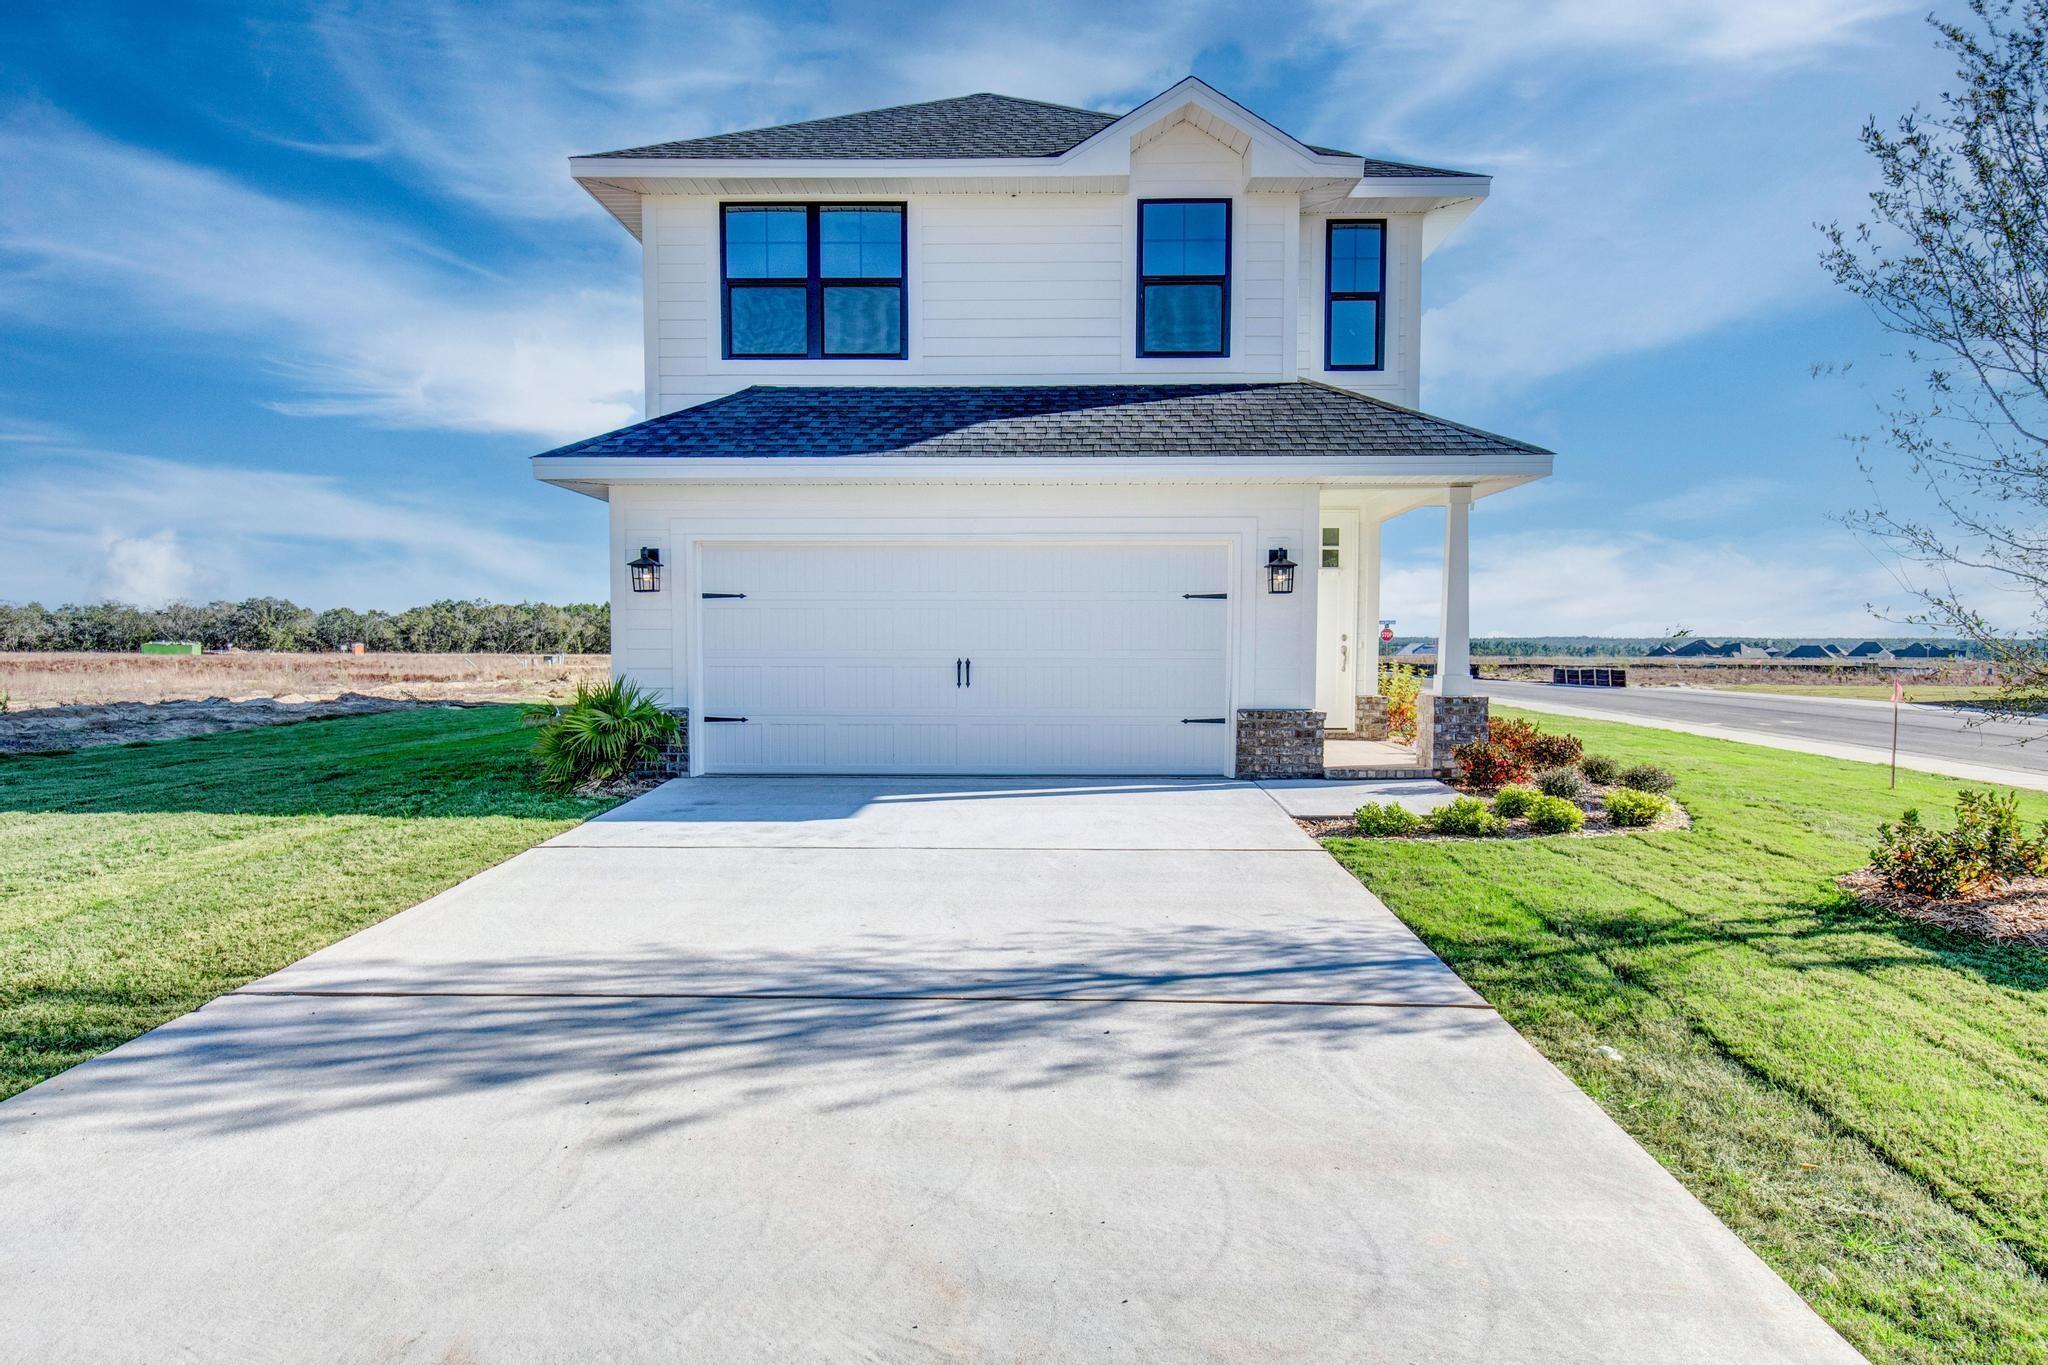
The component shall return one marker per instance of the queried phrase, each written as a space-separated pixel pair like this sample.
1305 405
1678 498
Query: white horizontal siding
1034 288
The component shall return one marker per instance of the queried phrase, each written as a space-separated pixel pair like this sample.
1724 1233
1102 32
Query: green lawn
1864 1100
137 883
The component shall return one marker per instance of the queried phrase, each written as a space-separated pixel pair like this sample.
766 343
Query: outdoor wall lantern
1279 571
646 570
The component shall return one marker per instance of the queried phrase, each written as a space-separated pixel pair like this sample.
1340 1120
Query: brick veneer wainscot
1442 724
1372 718
675 755
1279 743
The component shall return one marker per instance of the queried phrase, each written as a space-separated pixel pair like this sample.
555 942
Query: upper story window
813 281
1183 277
1354 323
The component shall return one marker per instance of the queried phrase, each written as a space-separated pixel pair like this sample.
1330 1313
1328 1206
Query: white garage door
964 658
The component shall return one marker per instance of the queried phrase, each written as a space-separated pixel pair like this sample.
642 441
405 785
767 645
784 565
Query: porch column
1454 624
1367 630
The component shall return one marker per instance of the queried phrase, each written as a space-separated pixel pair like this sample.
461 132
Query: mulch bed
1597 826
2014 913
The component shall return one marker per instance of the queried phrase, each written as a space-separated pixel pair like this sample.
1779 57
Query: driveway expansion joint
934 997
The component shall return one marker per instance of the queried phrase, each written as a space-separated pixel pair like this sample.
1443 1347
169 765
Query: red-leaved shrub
1488 764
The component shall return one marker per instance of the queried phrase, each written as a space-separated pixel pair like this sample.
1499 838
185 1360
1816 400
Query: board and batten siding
1273 649
1037 288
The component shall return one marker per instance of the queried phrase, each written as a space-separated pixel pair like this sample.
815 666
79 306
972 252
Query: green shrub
1467 816
604 734
1512 803
1565 783
1487 765
1401 684
1600 769
1986 848
1632 808
1555 815
1648 777
1553 751
1376 821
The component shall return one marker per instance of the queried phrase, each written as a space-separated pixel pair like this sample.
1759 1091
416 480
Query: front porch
1450 712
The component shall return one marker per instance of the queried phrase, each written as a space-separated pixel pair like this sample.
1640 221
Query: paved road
1933 738
794 1070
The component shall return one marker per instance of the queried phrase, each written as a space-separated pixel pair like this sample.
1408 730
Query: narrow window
813 281
1183 277
1332 548
1354 323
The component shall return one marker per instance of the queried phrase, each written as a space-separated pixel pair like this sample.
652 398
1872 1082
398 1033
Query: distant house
1696 649
1813 652
1416 649
1920 649
1732 650
1870 649
1659 652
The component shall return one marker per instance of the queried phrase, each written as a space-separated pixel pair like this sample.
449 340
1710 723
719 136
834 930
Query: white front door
977 657
1336 620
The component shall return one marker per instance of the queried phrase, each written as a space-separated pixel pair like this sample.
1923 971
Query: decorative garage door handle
727 720
1204 596
709 595
970 672
956 671
1205 720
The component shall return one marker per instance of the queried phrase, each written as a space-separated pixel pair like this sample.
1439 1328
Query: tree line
272 623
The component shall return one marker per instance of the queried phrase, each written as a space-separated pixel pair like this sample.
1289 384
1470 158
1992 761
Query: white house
980 434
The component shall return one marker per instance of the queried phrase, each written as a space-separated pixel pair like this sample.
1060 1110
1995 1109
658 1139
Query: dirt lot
69 701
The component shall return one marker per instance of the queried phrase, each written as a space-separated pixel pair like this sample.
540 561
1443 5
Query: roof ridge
1425 416
862 113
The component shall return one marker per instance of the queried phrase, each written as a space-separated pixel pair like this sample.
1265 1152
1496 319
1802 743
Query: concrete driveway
866 1069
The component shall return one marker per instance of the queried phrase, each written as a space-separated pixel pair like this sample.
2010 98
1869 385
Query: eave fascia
1363 470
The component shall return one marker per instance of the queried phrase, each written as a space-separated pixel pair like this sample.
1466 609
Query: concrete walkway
893 1070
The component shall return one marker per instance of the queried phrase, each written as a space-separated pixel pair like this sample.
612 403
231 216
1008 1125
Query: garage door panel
1086 658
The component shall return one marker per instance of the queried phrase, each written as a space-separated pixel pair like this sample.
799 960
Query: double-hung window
813 281
1354 320
1183 277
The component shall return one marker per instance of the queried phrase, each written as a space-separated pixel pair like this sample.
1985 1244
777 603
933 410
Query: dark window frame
1332 296
1229 227
815 283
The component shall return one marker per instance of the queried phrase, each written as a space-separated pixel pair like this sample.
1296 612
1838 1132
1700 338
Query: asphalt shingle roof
1049 422
981 125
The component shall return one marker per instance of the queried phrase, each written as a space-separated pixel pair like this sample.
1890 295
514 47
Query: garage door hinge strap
726 720
1204 596
724 594
1204 720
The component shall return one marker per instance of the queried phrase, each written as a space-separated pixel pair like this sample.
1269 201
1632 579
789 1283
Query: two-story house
993 436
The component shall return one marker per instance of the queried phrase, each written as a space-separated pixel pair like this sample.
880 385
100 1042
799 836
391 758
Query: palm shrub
606 733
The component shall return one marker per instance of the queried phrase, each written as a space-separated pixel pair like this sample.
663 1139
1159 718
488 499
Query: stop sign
1386 635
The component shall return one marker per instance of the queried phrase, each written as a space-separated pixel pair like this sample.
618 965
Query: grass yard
138 883
1863 1099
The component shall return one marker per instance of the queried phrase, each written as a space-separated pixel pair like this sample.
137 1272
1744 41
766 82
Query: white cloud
362 320
1595 581
1713 500
85 523
148 571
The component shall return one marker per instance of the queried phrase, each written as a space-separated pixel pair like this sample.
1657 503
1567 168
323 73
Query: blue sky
288 292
